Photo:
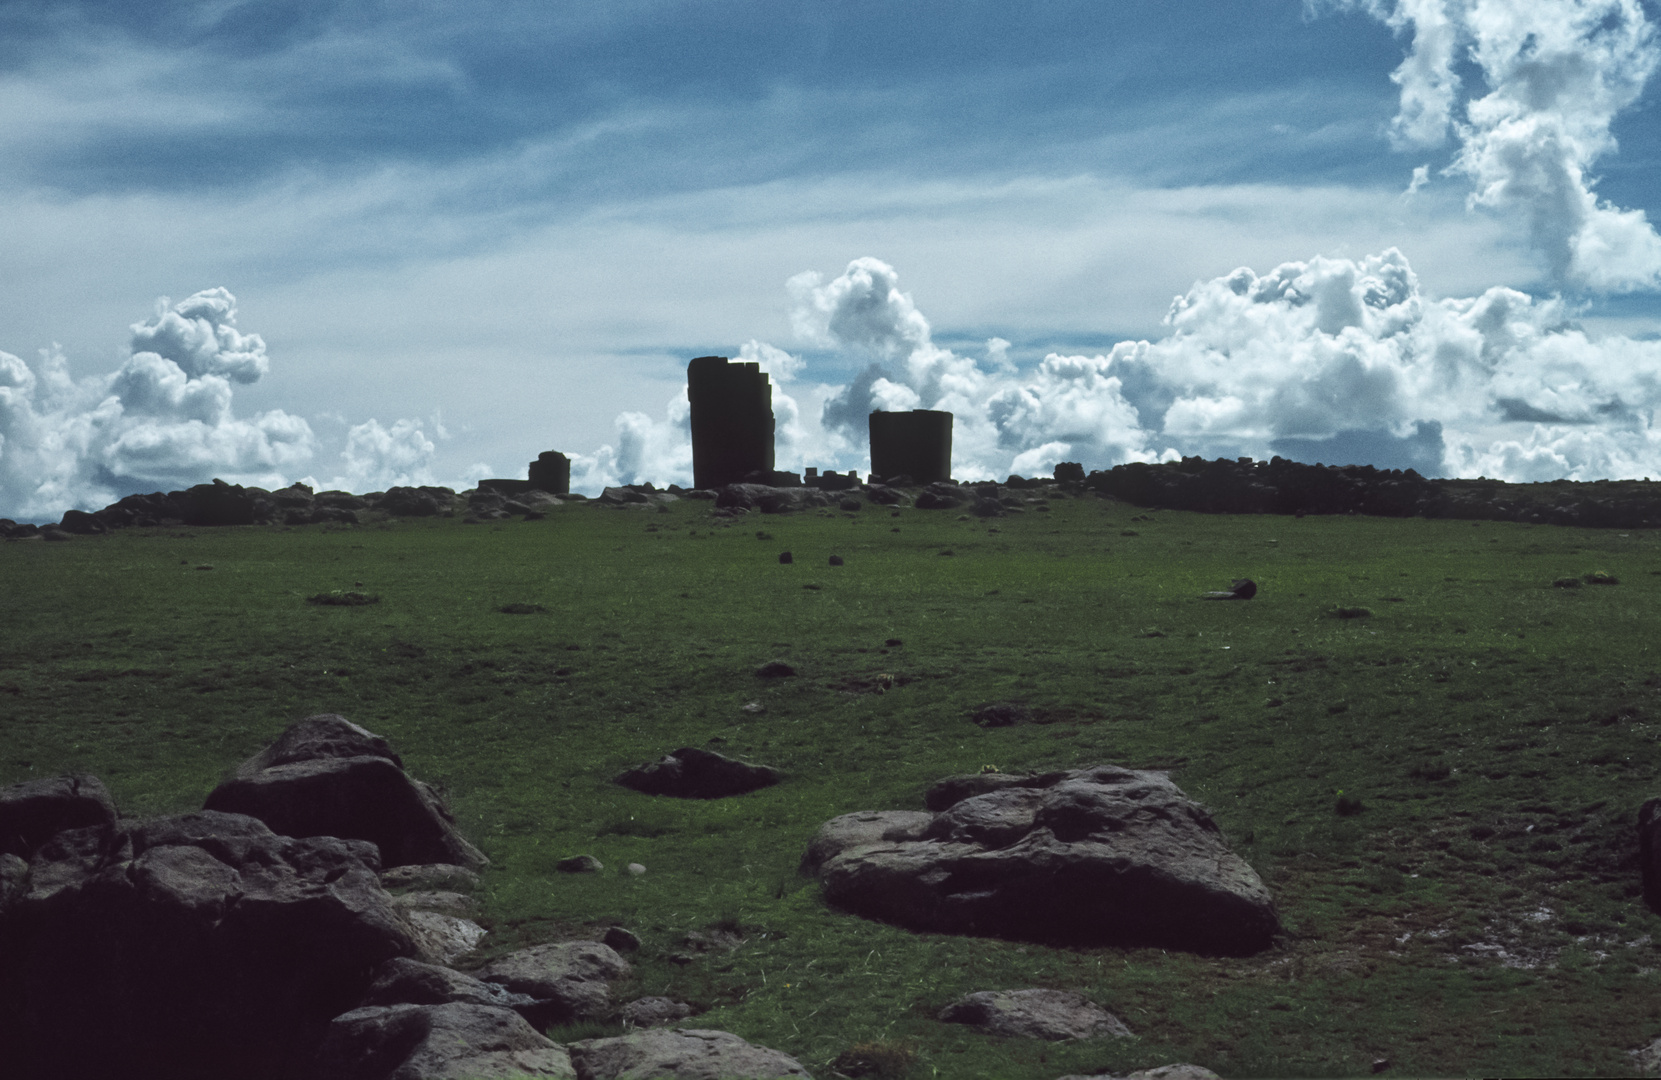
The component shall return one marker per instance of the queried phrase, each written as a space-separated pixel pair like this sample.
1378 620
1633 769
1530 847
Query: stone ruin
549 473
915 444
732 421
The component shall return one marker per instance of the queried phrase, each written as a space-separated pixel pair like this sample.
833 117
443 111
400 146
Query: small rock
785 557
692 1054
649 1012
620 939
445 903
836 560
1035 1014
1179 1071
1239 589
441 938
1002 714
579 864
691 773
636 869
850 505
754 707
775 669
430 876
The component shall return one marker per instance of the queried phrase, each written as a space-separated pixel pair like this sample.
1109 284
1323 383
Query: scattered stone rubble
215 943
1242 486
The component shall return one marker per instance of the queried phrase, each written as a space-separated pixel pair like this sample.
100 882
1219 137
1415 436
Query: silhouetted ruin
551 472
915 444
732 421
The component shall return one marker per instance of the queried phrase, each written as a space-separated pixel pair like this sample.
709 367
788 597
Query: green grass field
1479 913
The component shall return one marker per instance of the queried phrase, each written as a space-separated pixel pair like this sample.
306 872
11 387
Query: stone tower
917 444
732 421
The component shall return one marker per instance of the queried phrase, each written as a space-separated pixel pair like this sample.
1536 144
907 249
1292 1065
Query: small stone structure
550 473
915 444
732 421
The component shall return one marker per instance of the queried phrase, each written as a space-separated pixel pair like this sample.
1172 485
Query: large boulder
690 773
452 1041
195 946
570 979
1100 855
34 811
1035 1014
418 501
691 1054
325 776
218 503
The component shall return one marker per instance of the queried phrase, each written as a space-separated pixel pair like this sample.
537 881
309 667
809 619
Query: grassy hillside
1479 913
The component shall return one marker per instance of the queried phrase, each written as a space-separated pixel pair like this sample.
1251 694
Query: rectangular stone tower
917 444
732 421
551 472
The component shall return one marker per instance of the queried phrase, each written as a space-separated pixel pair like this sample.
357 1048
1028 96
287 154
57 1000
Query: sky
376 243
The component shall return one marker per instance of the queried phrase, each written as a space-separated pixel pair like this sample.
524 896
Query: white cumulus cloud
1557 72
164 419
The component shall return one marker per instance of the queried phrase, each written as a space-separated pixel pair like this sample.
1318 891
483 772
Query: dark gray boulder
418 502
690 773
429 876
690 1054
14 878
325 776
81 523
649 1012
1101 855
450 1041
1002 714
404 981
570 979
1649 851
1035 1014
191 947
34 811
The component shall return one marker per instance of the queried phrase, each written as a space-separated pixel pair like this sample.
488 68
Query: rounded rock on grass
619 939
836 560
579 864
636 870
775 669
786 557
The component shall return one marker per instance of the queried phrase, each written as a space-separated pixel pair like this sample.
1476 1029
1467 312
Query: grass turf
1432 755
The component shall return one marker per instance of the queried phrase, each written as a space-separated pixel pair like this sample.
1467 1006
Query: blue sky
468 233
